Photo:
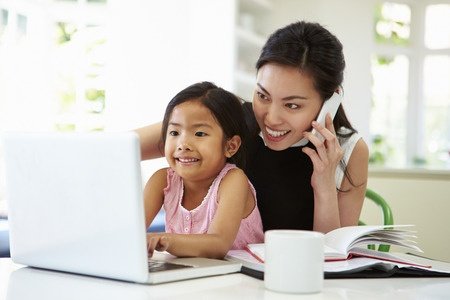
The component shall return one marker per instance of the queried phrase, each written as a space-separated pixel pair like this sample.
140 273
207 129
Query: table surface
19 282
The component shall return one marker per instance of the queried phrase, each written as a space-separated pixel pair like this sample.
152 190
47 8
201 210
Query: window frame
416 52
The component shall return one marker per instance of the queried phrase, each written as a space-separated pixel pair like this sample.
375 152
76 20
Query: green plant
378 153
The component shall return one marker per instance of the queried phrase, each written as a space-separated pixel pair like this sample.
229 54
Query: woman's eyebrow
262 88
284 98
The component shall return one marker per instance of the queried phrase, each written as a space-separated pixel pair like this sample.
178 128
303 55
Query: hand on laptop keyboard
156 241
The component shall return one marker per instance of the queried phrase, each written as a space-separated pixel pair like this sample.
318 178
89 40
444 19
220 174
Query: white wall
356 35
352 22
419 199
160 47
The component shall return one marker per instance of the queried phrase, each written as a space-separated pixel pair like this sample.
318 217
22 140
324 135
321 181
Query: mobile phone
329 106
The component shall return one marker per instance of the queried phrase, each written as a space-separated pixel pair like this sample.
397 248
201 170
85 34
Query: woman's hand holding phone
327 155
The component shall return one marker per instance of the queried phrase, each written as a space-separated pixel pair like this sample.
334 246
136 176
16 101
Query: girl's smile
186 160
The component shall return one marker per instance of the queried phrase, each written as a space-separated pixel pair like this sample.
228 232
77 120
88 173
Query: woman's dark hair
316 52
313 50
225 107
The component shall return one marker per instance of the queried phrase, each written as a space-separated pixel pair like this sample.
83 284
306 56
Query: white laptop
75 204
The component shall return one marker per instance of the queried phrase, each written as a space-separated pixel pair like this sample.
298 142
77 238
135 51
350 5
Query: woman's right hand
325 160
327 155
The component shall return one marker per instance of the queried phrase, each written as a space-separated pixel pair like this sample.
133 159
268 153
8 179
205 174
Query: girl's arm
234 193
154 195
150 139
332 209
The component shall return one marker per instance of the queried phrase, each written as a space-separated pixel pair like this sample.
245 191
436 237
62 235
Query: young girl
209 203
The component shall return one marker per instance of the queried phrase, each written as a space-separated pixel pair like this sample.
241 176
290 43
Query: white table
18 283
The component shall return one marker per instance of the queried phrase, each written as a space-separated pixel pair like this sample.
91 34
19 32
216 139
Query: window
437 84
80 91
52 67
410 115
50 54
388 114
3 22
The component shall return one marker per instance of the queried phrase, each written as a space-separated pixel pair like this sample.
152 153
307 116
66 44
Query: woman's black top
282 180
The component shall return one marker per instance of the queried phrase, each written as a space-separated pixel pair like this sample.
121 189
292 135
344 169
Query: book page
355 265
339 242
245 258
343 238
387 256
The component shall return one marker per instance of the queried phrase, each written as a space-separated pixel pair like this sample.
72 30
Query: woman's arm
150 139
233 196
352 194
154 195
332 209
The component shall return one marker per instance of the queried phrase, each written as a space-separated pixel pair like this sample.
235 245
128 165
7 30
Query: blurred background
84 65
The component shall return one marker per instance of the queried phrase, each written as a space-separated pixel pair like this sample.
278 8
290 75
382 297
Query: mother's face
285 103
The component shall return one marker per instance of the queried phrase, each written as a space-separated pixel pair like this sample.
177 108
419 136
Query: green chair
388 218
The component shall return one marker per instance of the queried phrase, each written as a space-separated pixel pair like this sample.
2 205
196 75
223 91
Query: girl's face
285 103
195 146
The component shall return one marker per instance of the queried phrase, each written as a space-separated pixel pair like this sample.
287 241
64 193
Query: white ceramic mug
294 261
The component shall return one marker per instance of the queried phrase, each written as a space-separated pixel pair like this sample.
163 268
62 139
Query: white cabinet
253 26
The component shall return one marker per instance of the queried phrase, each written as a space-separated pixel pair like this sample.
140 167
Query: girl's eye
262 96
173 133
292 106
200 133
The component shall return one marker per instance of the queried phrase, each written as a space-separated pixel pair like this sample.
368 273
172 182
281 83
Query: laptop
33 283
75 204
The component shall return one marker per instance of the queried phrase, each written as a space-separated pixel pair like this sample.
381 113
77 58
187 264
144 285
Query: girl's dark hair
225 107
314 51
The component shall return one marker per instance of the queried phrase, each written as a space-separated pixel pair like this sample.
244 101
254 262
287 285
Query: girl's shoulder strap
214 188
224 172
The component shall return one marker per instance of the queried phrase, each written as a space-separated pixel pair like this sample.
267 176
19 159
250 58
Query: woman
319 186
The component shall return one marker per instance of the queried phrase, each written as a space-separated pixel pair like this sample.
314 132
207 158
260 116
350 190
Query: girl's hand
157 242
326 157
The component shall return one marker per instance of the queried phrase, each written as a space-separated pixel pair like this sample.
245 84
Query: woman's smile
276 133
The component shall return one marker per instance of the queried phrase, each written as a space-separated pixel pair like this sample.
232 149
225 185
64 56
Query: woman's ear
232 146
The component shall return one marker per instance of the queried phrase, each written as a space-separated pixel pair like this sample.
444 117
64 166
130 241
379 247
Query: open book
346 254
346 242
399 264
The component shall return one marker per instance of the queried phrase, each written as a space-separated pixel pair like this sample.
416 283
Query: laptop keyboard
157 266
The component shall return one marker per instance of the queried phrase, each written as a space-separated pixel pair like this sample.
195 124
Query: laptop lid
75 203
